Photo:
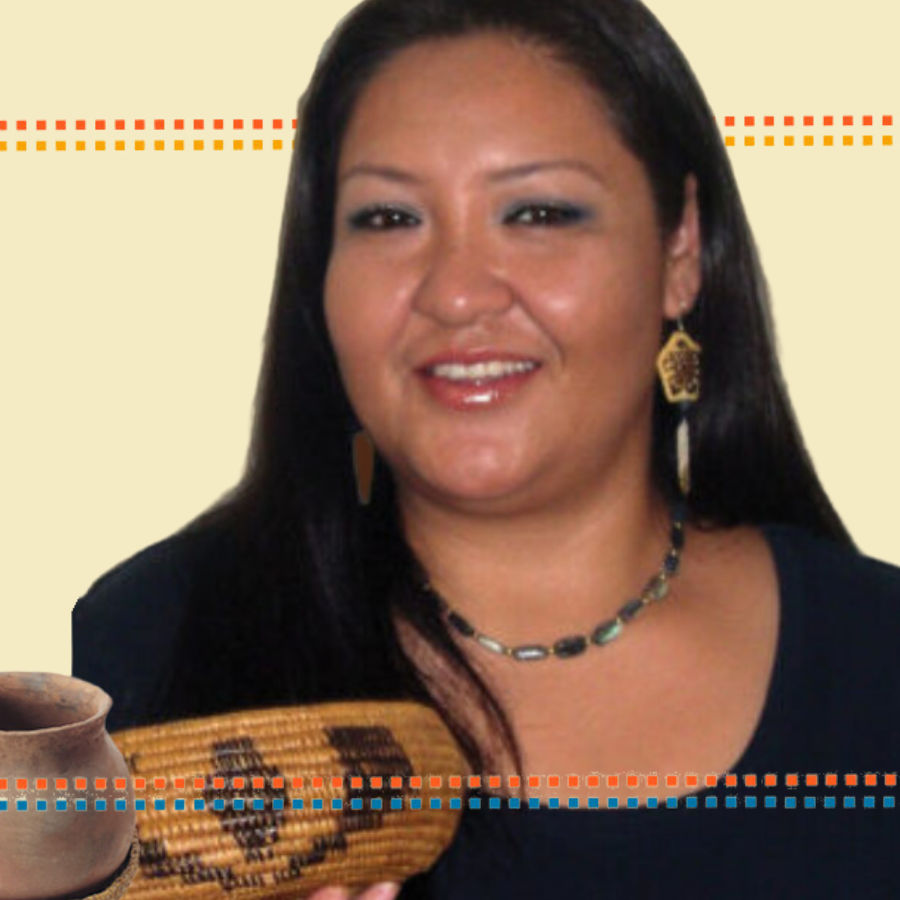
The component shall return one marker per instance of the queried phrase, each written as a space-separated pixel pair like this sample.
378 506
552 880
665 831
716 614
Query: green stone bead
606 632
529 652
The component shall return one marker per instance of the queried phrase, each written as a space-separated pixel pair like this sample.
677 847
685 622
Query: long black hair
300 586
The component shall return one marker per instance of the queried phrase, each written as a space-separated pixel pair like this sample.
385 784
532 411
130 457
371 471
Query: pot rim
105 703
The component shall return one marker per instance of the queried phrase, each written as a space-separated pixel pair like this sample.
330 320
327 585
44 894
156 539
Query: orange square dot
828 120
179 124
612 781
572 781
120 145
159 124
297 782
60 784
218 145
277 123
749 120
237 124
848 140
356 783
198 145
435 781
808 140
21 145
120 124
277 145
40 784
789 140
179 145
729 141
375 781
534 781
828 140
257 145
218 124
259 783
890 780
138 145
474 781
238 145
21 784
711 780
831 780
455 781
396 782
690 780
179 784
848 120
61 125
79 145
278 782
808 120
514 781
887 140
159 145
791 780
812 780
293 123
199 783
593 781
729 121
887 120
867 120
871 780
652 781
788 120
319 782
770 141
671 781
632 781
3 784
100 784
80 784
41 145
770 121
553 781
159 783
140 784
415 781
257 123
731 781
867 140
61 145
219 784
198 124
337 782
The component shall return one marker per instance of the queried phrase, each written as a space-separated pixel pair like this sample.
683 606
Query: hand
386 890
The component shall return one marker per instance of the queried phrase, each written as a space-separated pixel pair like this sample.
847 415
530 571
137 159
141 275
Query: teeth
493 369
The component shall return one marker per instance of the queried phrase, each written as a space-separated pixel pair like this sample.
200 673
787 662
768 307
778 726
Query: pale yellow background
134 286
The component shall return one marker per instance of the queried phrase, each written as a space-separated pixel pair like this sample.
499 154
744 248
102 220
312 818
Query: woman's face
487 210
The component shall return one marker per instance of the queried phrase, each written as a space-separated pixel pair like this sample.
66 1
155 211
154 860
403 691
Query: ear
683 257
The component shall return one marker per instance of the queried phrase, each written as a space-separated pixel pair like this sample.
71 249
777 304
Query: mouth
478 385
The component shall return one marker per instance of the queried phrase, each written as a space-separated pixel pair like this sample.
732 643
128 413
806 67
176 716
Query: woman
498 214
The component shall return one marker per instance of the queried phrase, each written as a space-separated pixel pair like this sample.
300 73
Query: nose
461 280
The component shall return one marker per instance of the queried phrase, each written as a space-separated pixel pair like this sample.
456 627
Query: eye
382 217
546 214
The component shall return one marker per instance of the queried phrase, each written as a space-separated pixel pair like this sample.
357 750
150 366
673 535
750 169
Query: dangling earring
363 465
678 365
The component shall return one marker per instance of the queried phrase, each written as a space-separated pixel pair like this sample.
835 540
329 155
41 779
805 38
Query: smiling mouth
480 373
478 386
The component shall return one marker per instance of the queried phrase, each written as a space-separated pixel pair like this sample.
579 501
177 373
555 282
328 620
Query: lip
480 394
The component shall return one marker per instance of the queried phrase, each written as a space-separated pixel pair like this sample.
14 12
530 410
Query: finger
330 893
385 890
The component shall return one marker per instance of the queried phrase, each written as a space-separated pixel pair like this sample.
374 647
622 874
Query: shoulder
124 626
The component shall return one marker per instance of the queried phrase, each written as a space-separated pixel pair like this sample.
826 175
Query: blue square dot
81 805
730 802
790 802
121 805
435 803
514 802
199 803
297 804
100 805
494 803
356 803
159 804
829 803
652 802
337 803
771 802
613 803
317 803
455 803
712 802
750 802
140 804
22 805
41 805
573 803
849 802
61 805
218 803
259 803
396 803
869 802
3 805
554 803
179 804
809 802
593 803
888 802
278 803
534 803
415 803
691 802
474 803
671 802
238 802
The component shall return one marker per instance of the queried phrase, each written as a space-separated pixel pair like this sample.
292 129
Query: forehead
455 99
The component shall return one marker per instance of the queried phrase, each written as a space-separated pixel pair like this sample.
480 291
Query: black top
833 707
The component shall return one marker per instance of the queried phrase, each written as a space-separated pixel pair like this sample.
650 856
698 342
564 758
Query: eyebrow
399 176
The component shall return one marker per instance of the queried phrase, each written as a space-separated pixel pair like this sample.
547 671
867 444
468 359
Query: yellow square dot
770 141
257 145
808 140
20 145
888 140
79 145
848 140
789 140
42 145
867 140
120 145
99 145
198 145
138 145
159 145
828 140
292 144
276 145
729 141
61 145
238 145
2 146
749 141
218 145
179 145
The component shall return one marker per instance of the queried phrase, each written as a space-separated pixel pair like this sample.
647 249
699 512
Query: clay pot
53 727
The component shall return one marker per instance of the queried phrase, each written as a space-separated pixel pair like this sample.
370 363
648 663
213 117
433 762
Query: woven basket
269 853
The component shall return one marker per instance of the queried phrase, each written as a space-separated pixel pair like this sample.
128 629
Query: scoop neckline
757 757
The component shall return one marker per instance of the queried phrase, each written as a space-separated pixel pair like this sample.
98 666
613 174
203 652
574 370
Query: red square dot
297 782
534 781
20 125
749 120
198 124
750 780
396 782
61 125
277 123
139 124
179 784
374 781
731 781
179 124
100 784
338 782
851 780
199 784
812 780
652 781
671 780
100 125
61 784
828 120
3 784
890 780
871 780
79 125
294 125
258 783
593 781
572 781
3 126
219 784
729 121
831 780
238 124
278 783
770 120
159 783
808 120
121 784
791 780
690 780
513 781
867 120
631 781
257 123
120 124
42 125
553 781
218 124
356 783
612 781
848 120
40 784
21 784
317 782
80 784
887 120
237 783
711 780
159 124
415 782
140 784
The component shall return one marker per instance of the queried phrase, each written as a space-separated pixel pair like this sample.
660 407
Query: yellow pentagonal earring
363 465
678 365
